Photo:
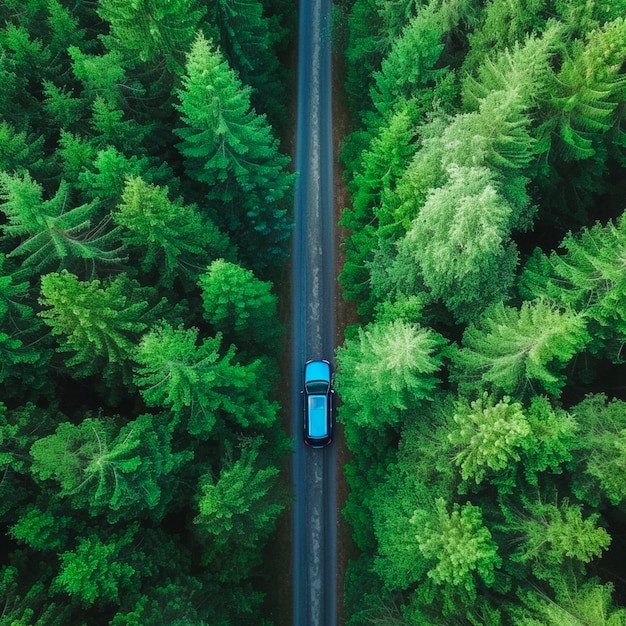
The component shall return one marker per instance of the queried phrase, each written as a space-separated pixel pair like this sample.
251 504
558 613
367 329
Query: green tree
238 509
28 602
518 350
489 436
375 180
99 323
173 238
388 368
176 372
575 603
600 453
556 537
230 148
409 67
150 31
585 92
461 552
241 306
97 572
587 276
460 240
106 471
49 234
249 40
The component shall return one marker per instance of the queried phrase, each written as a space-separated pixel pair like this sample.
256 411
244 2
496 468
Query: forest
145 204
483 385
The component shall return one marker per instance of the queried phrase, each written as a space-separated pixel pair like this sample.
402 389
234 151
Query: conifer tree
99 324
118 474
460 240
587 276
387 368
50 234
150 31
174 239
241 306
249 39
238 509
230 148
462 554
194 379
519 350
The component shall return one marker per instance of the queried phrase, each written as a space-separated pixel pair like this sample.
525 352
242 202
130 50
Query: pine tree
238 509
115 473
173 238
600 451
150 31
99 324
489 436
460 549
460 239
230 148
241 306
248 39
587 276
519 350
52 235
556 538
388 368
195 380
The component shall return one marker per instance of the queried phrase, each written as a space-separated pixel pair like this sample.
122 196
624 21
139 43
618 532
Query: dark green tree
52 236
106 471
238 509
231 149
152 32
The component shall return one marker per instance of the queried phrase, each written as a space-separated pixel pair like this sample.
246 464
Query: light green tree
489 436
175 371
97 572
99 323
518 350
388 368
241 306
575 603
239 507
460 550
600 451
557 537
587 275
461 241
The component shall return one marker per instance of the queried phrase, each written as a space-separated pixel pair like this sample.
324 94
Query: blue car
318 404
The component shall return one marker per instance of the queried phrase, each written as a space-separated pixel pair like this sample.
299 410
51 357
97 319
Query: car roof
317 417
317 370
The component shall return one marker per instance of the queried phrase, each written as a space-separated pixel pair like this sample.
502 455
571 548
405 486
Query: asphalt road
313 310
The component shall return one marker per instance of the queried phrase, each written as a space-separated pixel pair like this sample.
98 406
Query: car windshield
317 386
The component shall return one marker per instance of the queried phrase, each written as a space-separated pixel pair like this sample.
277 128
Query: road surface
314 471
